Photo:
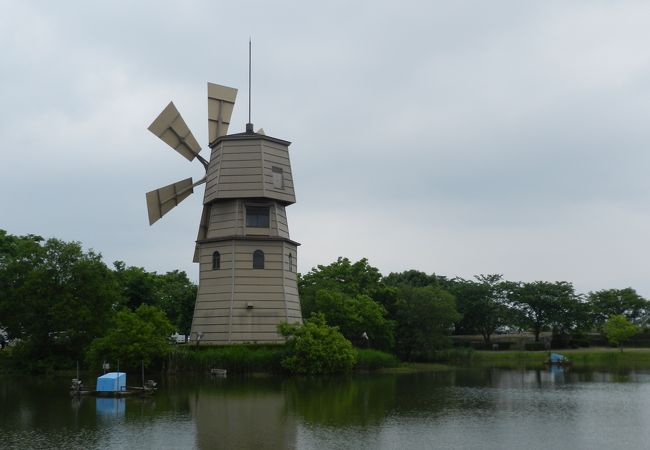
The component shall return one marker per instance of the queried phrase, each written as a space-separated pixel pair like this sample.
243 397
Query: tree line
413 314
63 304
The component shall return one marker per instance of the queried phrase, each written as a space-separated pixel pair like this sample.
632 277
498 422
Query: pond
459 408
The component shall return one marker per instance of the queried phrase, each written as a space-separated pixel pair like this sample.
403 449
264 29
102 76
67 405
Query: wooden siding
238 304
244 169
227 218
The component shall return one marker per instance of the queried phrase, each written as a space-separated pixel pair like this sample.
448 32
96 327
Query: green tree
482 304
619 329
351 296
416 278
343 276
134 336
176 296
55 299
137 286
355 316
316 348
615 302
425 318
543 305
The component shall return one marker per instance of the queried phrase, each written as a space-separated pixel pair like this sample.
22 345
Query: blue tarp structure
112 381
557 358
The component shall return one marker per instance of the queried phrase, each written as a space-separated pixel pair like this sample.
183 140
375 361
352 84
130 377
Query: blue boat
113 384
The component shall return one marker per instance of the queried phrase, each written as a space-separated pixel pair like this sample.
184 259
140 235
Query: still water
456 409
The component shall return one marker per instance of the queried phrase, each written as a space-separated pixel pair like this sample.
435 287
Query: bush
316 348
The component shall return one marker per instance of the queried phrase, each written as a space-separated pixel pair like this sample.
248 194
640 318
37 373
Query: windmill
170 127
247 273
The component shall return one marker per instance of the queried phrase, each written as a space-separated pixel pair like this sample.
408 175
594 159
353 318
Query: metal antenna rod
249 125
249 78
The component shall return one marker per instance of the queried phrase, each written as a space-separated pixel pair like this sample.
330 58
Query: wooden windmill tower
247 282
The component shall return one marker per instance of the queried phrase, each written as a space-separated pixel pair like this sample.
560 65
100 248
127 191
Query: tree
619 329
134 337
416 278
542 305
343 276
176 295
425 317
137 286
355 316
346 294
316 348
615 302
482 304
55 299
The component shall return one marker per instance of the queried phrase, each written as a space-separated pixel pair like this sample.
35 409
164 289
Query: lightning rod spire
249 125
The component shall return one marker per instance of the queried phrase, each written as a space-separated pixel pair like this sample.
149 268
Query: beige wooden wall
244 169
228 218
239 304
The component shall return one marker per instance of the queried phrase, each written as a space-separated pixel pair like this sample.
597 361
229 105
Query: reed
369 359
234 358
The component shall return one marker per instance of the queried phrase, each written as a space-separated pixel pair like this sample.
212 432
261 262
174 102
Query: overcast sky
459 138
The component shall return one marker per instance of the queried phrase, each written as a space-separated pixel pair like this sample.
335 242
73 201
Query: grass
247 359
416 367
587 358
234 358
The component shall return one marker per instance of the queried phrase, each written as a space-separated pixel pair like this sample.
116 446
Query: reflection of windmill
247 281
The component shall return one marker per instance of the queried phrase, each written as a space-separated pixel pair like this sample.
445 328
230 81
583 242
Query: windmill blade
163 200
221 101
171 128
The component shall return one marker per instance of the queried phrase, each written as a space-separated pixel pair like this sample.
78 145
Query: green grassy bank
255 358
589 358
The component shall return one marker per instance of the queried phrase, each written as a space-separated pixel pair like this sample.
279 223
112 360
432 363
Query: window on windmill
216 261
290 262
278 179
257 216
258 259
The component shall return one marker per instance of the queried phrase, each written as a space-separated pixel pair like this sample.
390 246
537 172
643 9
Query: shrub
316 348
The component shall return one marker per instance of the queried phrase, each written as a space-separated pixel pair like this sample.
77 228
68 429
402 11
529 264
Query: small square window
257 216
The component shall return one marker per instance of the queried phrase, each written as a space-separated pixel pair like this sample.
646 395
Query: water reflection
360 400
110 408
464 408
242 414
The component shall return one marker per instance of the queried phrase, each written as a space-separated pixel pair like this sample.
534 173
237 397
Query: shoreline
596 358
